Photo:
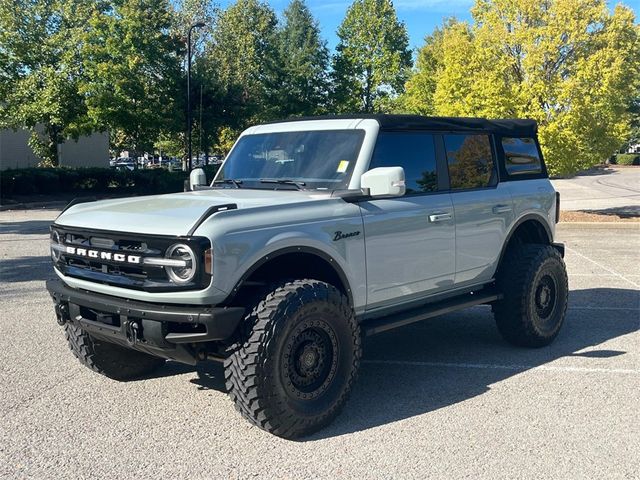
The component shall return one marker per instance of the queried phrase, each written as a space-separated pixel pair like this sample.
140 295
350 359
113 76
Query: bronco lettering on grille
116 257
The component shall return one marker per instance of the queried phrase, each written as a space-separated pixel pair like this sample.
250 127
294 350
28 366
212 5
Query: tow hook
132 330
62 313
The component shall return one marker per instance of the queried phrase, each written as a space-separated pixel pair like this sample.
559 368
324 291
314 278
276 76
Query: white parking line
492 366
592 275
603 267
628 309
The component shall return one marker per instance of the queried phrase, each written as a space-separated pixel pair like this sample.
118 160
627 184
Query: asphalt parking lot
446 398
602 190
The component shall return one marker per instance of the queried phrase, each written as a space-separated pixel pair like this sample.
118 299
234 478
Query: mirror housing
384 182
197 178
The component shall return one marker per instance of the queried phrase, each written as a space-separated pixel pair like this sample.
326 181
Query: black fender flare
530 216
302 249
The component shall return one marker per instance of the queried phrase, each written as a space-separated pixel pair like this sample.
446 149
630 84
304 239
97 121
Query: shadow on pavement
210 377
437 363
594 172
630 211
28 227
599 354
387 393
26 269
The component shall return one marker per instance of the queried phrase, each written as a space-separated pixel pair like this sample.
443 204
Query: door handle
439 217
501 209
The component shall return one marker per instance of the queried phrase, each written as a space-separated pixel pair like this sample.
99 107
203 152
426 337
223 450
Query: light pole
195 25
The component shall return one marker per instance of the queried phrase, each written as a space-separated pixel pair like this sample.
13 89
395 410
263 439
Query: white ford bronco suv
313 233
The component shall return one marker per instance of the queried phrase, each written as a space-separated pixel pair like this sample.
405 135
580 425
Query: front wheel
534 283
293 369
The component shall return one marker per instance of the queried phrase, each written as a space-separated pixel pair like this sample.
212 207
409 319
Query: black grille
107 270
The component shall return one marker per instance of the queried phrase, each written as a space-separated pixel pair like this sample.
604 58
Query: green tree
421 85
131 62
243 61
205 91
570 64
304 62
186 13
40 70
373 58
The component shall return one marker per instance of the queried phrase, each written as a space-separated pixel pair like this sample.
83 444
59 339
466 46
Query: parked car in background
123 163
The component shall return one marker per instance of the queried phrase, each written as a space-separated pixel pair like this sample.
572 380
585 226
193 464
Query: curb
634 225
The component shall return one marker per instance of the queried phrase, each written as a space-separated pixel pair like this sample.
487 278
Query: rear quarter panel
534 197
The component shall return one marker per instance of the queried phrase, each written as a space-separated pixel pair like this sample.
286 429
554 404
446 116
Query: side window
415 152
470 161
521 156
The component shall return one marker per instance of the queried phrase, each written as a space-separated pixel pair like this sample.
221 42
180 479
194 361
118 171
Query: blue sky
420 16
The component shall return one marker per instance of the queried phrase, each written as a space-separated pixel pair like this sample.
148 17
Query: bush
628 159
47 181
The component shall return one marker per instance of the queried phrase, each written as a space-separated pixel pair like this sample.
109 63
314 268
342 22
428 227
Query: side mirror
197 178
384 182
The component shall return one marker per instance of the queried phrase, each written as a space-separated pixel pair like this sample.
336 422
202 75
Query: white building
88 151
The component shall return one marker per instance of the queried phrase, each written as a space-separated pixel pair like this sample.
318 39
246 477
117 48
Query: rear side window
470 161
415 152
521 156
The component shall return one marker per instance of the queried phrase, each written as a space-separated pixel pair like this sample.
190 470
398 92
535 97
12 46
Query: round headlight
55 246
186 270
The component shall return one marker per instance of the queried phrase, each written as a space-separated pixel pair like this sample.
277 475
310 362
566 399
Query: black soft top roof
507 127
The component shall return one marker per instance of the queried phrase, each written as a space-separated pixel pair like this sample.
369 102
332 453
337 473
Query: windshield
321 159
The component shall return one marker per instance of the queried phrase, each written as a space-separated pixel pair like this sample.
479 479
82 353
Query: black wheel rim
311 357
546 295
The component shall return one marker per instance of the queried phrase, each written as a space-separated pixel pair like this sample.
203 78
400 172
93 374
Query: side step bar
430 310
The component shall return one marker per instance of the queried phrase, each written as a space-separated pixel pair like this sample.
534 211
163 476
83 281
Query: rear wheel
108 359
533 280
292 370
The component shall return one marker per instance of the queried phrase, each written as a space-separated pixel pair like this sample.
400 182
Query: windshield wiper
283 181
235 183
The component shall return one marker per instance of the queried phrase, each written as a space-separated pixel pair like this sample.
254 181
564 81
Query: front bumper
168 331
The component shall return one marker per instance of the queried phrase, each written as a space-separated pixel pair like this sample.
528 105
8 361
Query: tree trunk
368 101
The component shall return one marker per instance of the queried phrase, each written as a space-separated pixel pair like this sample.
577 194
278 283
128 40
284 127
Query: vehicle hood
172 214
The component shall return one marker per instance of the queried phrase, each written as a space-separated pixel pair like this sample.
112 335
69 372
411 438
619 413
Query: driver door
409 240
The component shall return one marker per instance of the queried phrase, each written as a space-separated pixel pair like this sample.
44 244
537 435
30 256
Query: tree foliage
243 60
372 59
70 67
132 72
40 70
304 62
570 64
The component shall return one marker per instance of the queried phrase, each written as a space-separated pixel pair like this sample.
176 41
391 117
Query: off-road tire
533 280
263 372
108 359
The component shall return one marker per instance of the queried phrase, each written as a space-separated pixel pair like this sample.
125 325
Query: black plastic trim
430 310
351 196
77 201
157 243
310 250
210 211
529 216
220 322
559 247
